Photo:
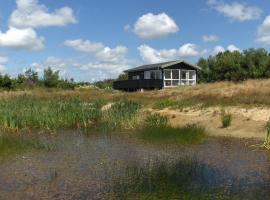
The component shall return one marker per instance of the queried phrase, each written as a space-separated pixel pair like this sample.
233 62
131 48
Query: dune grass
226 119
157 129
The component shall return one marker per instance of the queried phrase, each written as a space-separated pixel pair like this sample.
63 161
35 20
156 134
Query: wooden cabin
159 76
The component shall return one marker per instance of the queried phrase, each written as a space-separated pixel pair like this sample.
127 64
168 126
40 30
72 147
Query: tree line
30 79
235 66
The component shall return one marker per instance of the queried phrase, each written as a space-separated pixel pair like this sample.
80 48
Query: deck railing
132 85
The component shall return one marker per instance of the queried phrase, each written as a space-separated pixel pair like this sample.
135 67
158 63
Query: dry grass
251 92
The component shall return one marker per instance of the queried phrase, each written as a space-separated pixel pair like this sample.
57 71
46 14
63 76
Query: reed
157 129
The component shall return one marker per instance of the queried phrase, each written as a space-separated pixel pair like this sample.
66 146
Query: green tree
50 78
122 77
31 76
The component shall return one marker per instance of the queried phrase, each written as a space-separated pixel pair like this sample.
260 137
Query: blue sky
97 39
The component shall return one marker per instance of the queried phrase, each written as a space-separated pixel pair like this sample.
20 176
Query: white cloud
150 26
151 55
210 38
3 62
109 61
30 14
264 31
21 39
221 49
85 46
233 48
236 11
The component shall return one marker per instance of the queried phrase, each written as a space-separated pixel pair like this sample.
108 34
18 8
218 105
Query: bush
226 119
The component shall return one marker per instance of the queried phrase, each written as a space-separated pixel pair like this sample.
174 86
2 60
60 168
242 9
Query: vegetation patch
26 112
17 143
157 129
167 103
122 115
226 119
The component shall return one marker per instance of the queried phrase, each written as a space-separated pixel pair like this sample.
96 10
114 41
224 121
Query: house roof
160 66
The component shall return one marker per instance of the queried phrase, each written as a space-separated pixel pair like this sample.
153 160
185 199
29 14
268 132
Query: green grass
26 112
226 119
122 115
157 129
18 143
167 103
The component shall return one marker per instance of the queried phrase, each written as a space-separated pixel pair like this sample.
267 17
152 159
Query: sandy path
246 123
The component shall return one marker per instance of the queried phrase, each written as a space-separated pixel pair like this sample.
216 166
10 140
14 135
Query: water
85 167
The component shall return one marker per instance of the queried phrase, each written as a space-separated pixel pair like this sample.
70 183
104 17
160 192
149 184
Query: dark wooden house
159 76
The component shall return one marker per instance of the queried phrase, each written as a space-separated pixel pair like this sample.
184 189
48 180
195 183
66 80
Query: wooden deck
132 85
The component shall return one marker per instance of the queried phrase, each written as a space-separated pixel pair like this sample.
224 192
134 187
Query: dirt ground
246 123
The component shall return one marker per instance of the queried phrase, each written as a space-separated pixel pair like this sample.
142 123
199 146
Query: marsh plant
226 119
157 129
267 138
17 143
122 115
156 180
26 112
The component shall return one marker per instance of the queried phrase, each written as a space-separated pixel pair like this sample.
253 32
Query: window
153 74
176 77
171 77
136 77
188 77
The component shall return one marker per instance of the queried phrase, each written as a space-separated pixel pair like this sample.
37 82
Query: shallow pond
98 167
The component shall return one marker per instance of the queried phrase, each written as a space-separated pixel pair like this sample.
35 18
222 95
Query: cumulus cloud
31 14
151 55
21 39
150 26
221 49
108 60
210 38
236 11
3 62
264 31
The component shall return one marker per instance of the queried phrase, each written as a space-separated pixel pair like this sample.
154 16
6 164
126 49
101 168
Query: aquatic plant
226 119
157 129
17 143
122 115
267 138
26 112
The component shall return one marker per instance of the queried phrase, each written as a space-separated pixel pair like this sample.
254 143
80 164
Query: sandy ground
246 123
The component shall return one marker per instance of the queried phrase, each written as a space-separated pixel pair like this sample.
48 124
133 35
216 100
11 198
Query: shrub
226 119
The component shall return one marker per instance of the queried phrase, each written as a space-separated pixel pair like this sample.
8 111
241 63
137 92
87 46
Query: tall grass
26 112
157 129
122 115
167 103
226 119
267 138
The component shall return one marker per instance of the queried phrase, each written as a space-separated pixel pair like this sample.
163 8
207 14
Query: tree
122 77
31 76
50 77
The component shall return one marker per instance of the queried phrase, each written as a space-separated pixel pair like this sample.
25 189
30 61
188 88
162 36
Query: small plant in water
226 119
267 138
157 129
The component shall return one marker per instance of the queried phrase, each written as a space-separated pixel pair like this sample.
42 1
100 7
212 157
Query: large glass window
175 77
188 77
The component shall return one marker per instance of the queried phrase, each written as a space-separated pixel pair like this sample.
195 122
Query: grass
122 115
162 179
18 143
267 138
157 129
167 103
226 119
26 112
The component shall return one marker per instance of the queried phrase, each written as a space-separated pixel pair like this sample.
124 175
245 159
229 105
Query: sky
91 40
